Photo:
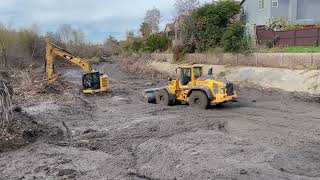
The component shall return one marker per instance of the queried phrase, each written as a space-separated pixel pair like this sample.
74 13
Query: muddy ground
266 135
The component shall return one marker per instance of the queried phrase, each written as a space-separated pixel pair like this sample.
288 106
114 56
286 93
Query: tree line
24 47
204 27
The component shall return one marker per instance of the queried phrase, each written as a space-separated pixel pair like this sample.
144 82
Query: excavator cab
91 81
94 83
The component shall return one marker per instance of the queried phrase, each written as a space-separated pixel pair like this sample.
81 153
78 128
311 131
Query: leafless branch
4 53
5 107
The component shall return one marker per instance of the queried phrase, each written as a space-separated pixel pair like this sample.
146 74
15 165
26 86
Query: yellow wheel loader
192 88
92 81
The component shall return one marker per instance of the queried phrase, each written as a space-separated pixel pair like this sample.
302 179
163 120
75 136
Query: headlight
222 91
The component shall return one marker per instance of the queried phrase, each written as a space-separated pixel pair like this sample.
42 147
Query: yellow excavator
192 88
92 81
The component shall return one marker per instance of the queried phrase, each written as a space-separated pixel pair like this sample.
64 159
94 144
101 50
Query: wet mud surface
266 135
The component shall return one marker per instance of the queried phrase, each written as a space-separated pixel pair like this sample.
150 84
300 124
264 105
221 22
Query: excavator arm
54 50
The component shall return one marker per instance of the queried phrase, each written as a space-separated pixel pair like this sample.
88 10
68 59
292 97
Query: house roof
169 27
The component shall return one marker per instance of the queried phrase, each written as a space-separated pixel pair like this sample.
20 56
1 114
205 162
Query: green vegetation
156 42
205 27
132 43
149 44
295 49
291 27
211 26
232 40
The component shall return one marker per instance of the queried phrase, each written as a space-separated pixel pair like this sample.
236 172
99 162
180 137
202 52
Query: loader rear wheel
199 100
163 98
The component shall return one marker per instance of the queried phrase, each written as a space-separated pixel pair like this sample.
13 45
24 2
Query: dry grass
140 66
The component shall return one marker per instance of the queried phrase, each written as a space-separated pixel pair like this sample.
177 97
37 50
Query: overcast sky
97 18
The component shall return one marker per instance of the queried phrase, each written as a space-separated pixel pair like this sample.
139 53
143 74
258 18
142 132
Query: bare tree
73 39
145 30
184 7
65 32
153 17
111 45
78 37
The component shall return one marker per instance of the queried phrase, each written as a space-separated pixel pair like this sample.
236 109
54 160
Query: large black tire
199 99
163 98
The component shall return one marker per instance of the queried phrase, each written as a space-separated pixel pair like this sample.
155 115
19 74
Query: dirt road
266 135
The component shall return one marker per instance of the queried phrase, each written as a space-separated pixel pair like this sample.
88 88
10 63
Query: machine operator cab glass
91 81
185 74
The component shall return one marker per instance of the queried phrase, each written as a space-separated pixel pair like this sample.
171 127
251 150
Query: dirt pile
23 130
19 128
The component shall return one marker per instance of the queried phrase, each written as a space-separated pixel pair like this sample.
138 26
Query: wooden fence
301 37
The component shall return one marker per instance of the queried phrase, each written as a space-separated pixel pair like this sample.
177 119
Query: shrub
282 24
235 38
204 28
277 23
156 42
136 45
132 45
291 27
179 53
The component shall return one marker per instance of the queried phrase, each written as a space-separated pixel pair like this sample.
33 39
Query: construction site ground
267 134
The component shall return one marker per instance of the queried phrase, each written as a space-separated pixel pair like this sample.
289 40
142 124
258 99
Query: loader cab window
91 81
185 76
197 72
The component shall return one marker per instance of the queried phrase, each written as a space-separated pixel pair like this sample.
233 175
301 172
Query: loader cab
189 74
91 81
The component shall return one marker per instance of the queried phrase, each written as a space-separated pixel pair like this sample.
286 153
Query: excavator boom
54 50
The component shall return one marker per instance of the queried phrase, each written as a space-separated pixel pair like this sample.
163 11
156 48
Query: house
169 30
174 30
258 12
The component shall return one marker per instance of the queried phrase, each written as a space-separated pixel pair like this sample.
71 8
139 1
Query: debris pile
5 106
33 86
18 128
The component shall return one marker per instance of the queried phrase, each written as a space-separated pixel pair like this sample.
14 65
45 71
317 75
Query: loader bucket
151 94
151 97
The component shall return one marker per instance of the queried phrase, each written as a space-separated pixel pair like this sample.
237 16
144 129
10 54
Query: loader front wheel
163 98
199 100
